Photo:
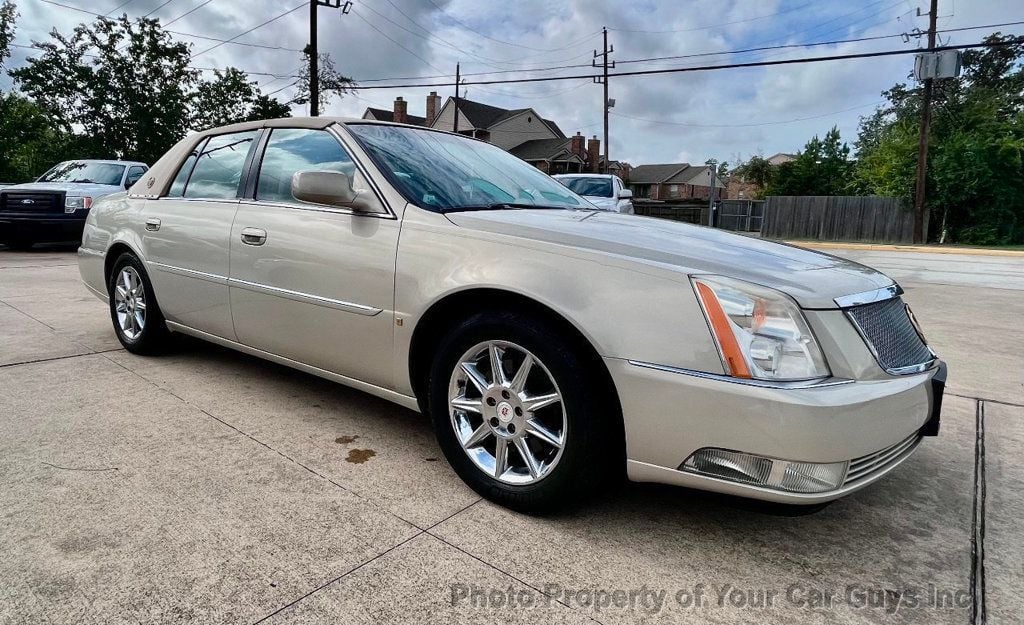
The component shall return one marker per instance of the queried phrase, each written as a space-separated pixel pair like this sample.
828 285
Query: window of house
292 150
218 169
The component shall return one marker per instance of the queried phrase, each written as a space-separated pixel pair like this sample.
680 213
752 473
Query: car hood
813 279
73 189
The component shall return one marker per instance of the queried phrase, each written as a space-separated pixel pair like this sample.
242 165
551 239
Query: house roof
540 149
654 174
385 115
484 115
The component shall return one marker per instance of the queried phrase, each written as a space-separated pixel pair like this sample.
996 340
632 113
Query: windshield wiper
503 206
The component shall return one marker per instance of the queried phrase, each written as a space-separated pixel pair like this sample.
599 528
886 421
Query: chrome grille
889 332
32 202
880 460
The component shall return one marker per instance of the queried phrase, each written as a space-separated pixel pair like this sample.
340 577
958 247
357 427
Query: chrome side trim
869 297
85 251
103 296
189 273
797 384
306 298
405 401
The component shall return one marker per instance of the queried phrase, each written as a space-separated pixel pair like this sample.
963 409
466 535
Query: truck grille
889 332
880 460
32 202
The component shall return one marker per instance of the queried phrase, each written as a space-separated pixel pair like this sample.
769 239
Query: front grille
32 202
880 460
889 332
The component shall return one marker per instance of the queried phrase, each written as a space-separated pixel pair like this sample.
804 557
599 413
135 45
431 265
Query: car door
310 282
185 236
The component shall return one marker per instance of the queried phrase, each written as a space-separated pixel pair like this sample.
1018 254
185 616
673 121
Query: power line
180 33
675 70
261 25
712 26
162 5
119 7
771 123
189 12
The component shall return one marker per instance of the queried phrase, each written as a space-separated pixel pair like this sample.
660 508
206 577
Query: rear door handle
254 236
152 225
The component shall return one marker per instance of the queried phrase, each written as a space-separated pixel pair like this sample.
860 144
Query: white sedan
605 191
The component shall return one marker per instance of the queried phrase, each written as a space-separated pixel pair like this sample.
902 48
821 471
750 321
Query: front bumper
43 229
669 414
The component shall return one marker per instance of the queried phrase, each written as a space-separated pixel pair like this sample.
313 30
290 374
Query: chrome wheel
130 303
507 412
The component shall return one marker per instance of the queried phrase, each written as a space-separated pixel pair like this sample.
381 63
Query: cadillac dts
555 347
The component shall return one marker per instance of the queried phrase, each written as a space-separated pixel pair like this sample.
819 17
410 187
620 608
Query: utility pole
314 62
455 124
711 196
314 54
922 149
604 81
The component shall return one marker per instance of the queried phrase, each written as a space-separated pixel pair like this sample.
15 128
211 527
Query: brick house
674 181
522 132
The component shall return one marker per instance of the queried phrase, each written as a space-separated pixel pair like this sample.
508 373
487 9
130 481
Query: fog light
797 477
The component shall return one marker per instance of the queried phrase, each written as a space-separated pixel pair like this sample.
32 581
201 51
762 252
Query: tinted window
594 187
291 150
218 169
178 186
134 173
85 171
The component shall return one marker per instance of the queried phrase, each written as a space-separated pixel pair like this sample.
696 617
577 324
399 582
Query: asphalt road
211 487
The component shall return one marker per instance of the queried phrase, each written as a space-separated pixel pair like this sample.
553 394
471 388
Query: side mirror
625 194
324 187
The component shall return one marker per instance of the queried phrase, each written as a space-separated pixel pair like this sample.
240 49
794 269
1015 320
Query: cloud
690 116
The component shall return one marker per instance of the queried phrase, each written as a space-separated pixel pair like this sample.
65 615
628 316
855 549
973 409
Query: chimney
594 154
433 103
401 112
577 146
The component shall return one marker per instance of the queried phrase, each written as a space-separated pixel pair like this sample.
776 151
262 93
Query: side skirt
405 401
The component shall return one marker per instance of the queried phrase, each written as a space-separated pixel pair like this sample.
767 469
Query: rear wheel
518 415
137 319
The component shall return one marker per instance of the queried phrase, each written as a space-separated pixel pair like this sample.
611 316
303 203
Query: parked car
554 346
54 207
605 191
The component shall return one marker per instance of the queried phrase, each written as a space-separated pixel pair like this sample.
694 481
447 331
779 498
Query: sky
728 114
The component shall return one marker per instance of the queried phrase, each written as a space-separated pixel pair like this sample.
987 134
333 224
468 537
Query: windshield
81 171
442 172
594 187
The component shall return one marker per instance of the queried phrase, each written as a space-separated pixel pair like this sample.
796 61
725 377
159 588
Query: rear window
594 187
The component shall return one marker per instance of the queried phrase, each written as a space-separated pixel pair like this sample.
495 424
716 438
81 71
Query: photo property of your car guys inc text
444 311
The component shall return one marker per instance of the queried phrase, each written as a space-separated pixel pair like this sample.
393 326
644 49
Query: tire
143 332
583 420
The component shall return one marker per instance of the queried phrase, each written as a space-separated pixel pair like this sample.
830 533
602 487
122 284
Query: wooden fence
690 213
839 218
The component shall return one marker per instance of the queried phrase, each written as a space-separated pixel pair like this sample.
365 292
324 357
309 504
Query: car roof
583 176
159 177
104 161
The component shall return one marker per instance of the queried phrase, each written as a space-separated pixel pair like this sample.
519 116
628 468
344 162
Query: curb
930 249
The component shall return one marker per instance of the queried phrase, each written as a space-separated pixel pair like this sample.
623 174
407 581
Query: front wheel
137 319
519 413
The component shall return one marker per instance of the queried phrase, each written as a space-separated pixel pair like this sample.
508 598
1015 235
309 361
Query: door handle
254 236
152 225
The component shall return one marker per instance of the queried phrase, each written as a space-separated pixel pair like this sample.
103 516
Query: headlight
761 333
71 204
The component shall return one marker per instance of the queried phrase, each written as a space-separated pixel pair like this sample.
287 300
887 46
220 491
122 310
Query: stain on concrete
359 456
345 440
431 459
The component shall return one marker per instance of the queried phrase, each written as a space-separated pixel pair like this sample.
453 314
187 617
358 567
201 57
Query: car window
291 150
134 174
594 187
178 186
85 172
218 169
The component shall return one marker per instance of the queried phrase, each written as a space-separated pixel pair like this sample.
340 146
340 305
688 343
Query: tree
822 168
231 97
331 81
30 143
8 16
975 177
757 171
126 85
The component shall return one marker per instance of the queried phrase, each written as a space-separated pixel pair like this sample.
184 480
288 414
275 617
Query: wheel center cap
505 412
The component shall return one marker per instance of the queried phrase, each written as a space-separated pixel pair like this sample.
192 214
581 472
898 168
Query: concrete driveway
212 487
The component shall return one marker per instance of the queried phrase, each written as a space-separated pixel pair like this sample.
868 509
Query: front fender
626 310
